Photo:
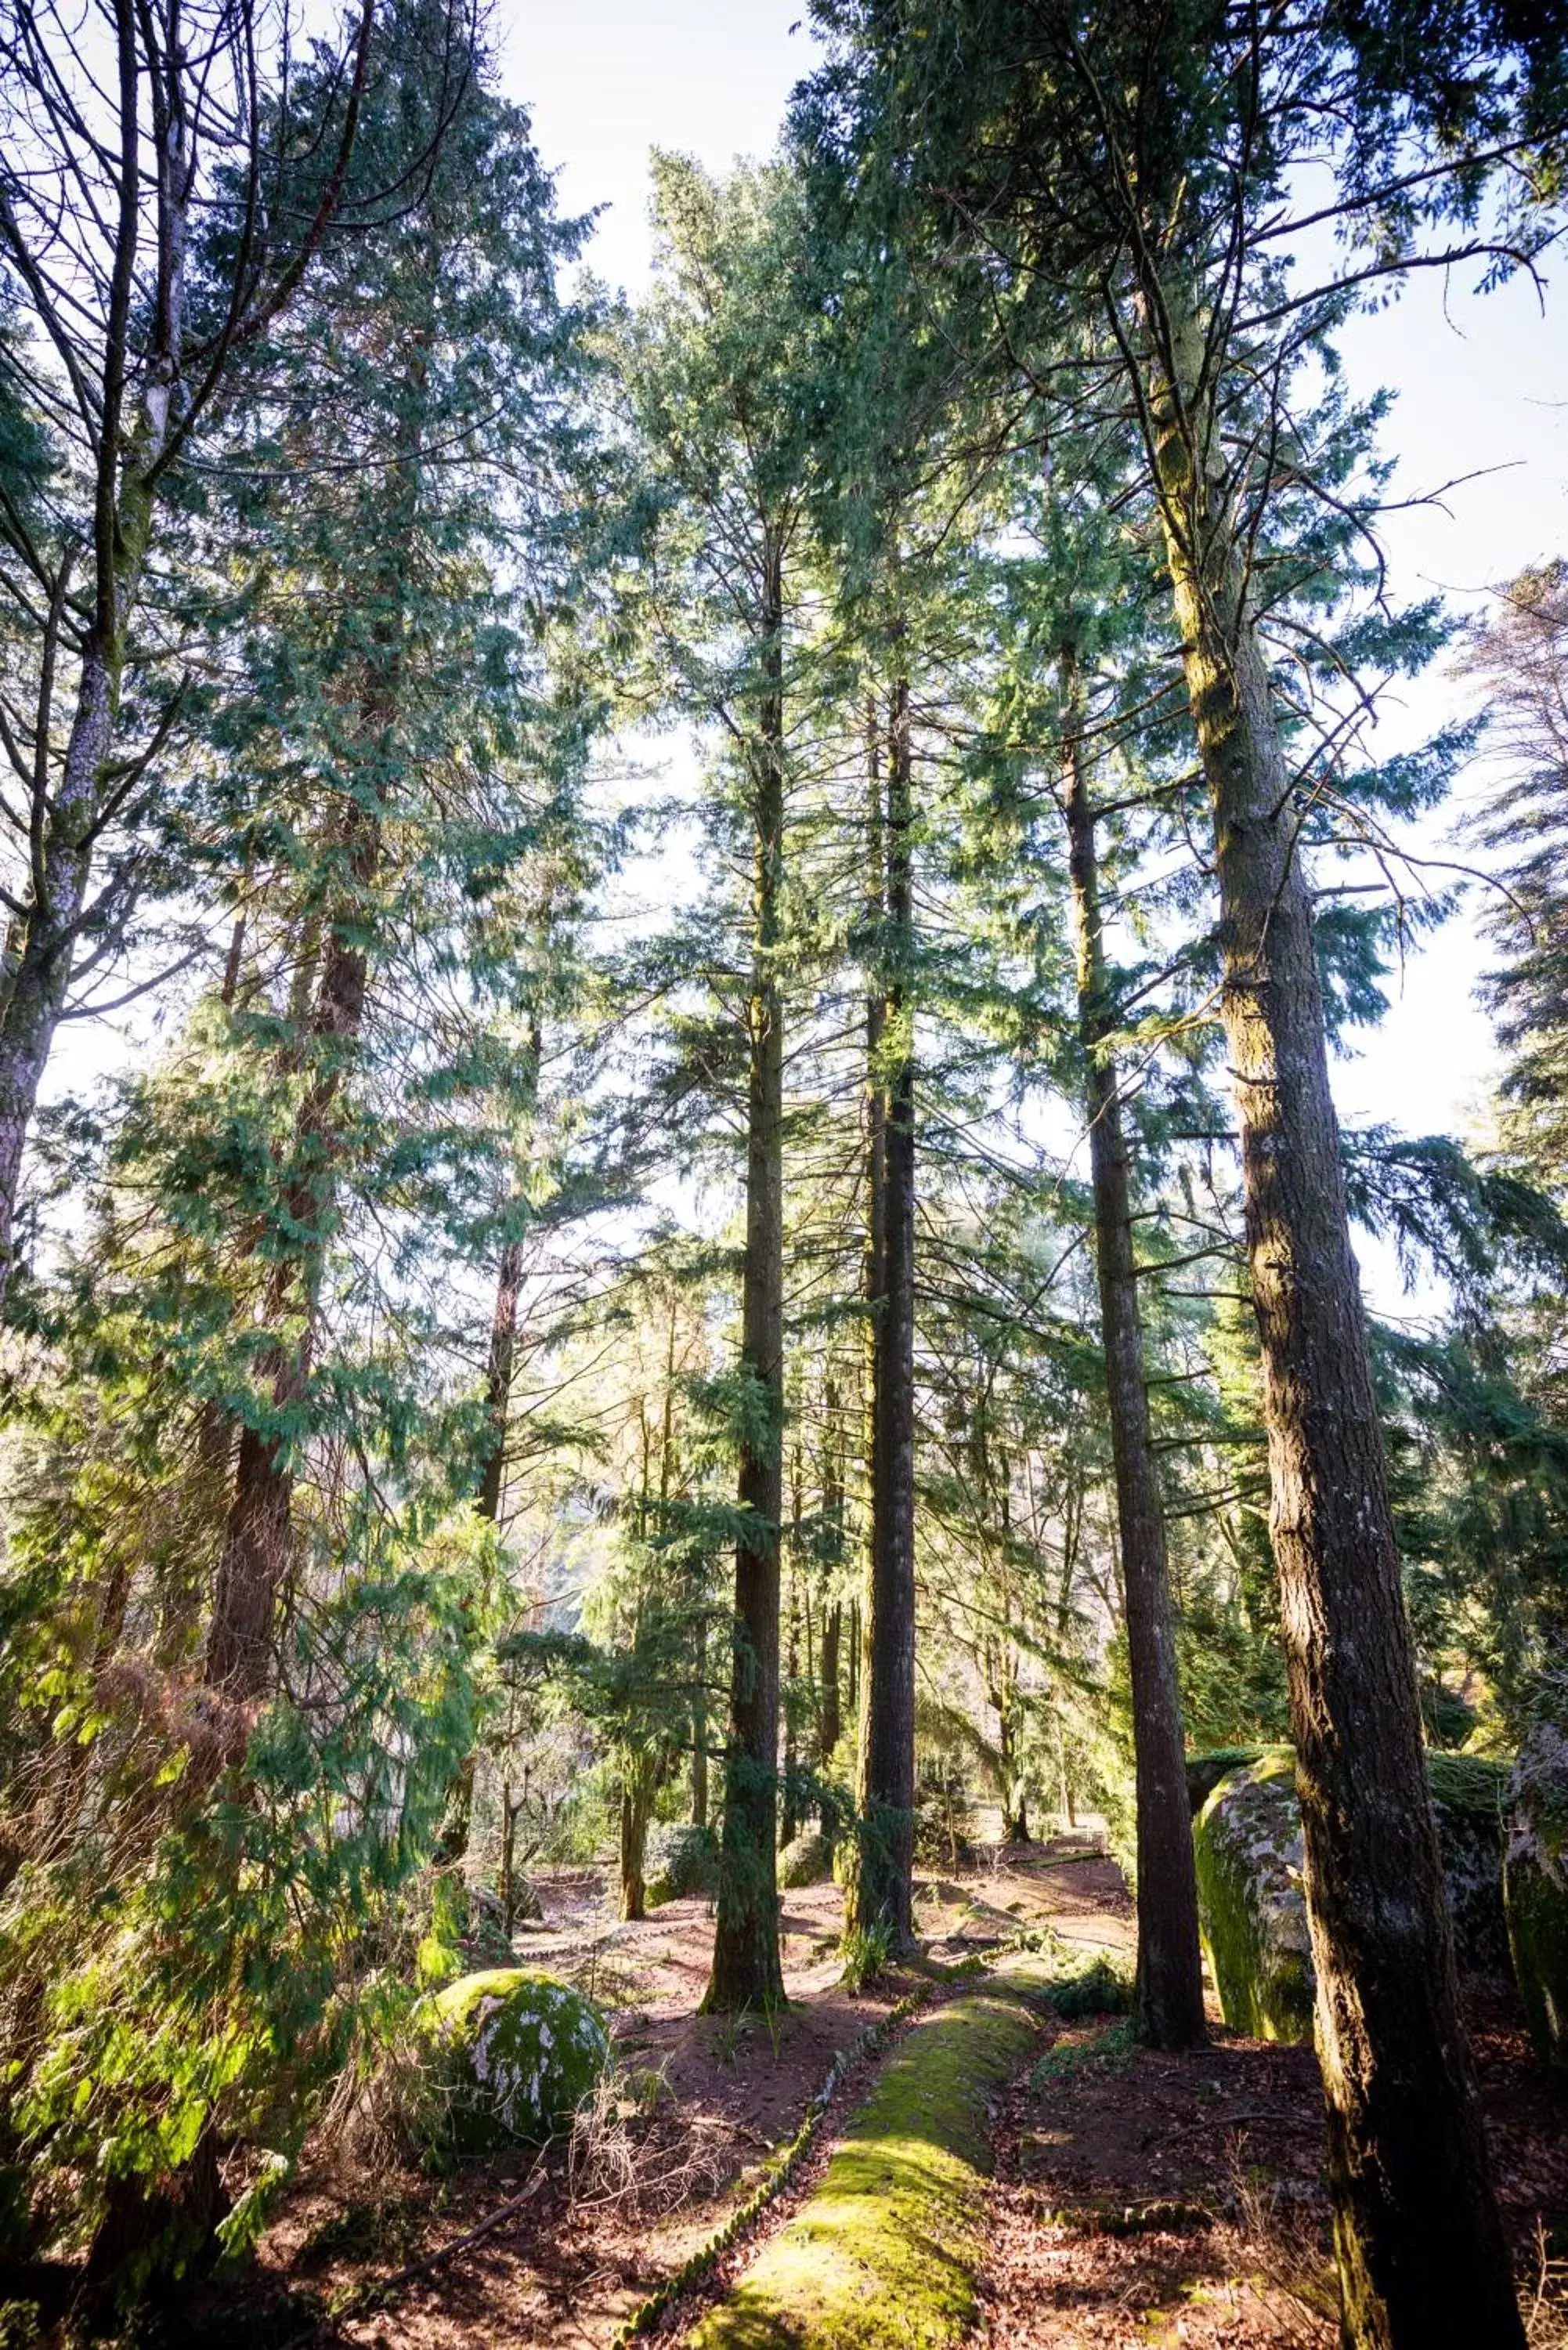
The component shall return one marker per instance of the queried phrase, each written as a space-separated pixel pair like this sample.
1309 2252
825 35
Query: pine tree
1143 167
715 373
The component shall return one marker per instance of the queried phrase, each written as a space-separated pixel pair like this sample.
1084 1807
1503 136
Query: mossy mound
1246 1841
506 2056
1536 1877
1251 1905
680 1862
887 2246
806 1861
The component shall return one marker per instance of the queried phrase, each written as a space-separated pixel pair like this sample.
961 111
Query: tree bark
1423 2261
746 1971
880 1892
700 1731
1169 1984
829 1710
831 1718
504 1334
635 1804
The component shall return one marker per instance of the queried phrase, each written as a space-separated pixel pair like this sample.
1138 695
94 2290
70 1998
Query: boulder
806 1861
1246 1841
1536 1877
1252 1906
1469 1796
1204 1771
678 1862
506 2056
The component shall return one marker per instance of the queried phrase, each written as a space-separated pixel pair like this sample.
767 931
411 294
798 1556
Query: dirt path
896 2221
1139 2200
571 2264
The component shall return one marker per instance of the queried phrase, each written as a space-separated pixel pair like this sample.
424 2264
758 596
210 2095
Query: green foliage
867 1952
1106 2051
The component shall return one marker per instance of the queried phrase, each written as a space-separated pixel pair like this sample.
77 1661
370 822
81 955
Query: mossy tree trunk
746 1971
638 1789
1169 1994
1423 2261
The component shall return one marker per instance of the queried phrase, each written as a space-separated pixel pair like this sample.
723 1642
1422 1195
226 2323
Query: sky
1479 382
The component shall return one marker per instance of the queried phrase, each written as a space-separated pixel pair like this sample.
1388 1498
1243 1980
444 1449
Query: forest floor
1139 2200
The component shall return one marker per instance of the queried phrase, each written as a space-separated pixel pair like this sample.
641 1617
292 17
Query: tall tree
1169 1968
880 1889
1148 164
115 159
715 373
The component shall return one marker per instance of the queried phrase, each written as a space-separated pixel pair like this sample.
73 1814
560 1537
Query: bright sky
1485 385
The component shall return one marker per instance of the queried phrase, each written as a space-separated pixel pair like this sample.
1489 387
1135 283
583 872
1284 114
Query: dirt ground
1139 2200
570 2263
1150 2200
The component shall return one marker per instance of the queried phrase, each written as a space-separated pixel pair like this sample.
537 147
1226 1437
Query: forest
720 1617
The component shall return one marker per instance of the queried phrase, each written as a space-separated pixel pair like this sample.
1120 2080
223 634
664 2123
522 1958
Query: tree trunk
634 1812
829 1713
36 996
699 1729
67 819
498 1378
258 1540
880 1891
789 1822
1422 2257
1169 1990
506 1873
746 1972
504 1330
831 1729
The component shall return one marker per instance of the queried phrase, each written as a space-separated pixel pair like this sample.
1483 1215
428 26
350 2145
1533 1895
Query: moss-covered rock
1470 1798
679 1861
1536 1876
1246 1841
1252 1906
506 2056
1204 1771
806 1861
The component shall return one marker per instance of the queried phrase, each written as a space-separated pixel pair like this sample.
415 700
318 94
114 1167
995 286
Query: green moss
1538 1931
886 2247
508 2056
681 1861
1204 1771
1246 1843
806 1861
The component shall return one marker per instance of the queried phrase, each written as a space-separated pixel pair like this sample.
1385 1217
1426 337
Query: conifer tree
1145 163
113 163
715 372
